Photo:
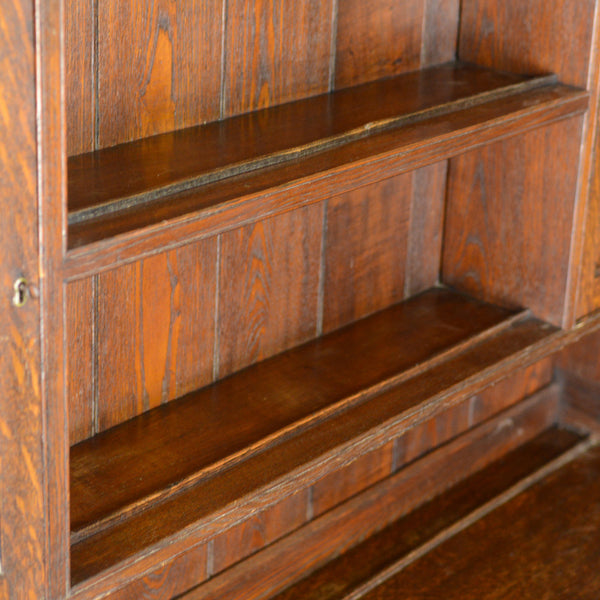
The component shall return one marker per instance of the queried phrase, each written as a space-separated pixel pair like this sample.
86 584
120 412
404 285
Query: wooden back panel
136 69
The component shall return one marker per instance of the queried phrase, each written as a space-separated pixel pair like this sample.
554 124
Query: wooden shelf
183 469
159 192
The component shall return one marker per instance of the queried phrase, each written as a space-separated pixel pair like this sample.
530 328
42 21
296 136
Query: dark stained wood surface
351 523
550 550
366 248
216 502
276 51
158 68
345 574
247 198
268 287
80 82
81 383
501 243
235 416
377 39
120 177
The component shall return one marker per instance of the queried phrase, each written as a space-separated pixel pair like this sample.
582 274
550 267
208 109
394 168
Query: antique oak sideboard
301 299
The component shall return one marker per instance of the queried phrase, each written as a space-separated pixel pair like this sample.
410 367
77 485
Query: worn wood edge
294 429
107 253
473 517
307 473
547 398
305 150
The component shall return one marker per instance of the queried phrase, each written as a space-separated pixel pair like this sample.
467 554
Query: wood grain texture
155 330
424 255
440 31
352 479
268 287
365 254
213 503
351 523
159 67
81 356
509 391
253 196
500 243
80 75
377 39
366 561
530 37
550 549
176 577
276 51
259 531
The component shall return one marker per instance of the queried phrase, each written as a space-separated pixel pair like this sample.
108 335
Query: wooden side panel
155 331
269 287
81 356
276 51
509 220
377 39
365 259
159 66
536 36
80 92
260 530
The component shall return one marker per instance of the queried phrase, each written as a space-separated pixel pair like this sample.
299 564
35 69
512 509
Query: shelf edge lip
280 158
112 251
298 427
190 535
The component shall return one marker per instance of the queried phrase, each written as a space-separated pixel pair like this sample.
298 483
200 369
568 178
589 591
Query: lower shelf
175 476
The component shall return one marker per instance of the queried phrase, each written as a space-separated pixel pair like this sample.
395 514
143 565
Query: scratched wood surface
500 243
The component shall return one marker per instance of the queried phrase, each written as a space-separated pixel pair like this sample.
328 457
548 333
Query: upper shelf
206 179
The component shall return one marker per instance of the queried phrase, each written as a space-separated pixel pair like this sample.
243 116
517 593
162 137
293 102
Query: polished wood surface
549 550
105 558
355 568
245 412
121 177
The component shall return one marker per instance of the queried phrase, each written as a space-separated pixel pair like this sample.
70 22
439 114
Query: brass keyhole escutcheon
21 294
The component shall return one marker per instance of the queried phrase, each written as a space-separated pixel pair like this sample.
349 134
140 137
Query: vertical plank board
423 259
155 330
509 391
170 580
81 356
159 66
276 51
501 243
582 359
260 530
440 31
536 36
352 479
79 75
268 287
365 255
589 289
377 39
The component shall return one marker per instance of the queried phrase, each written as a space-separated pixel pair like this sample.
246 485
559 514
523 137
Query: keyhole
21 292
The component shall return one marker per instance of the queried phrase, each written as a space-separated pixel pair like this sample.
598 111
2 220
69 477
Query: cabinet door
32 531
